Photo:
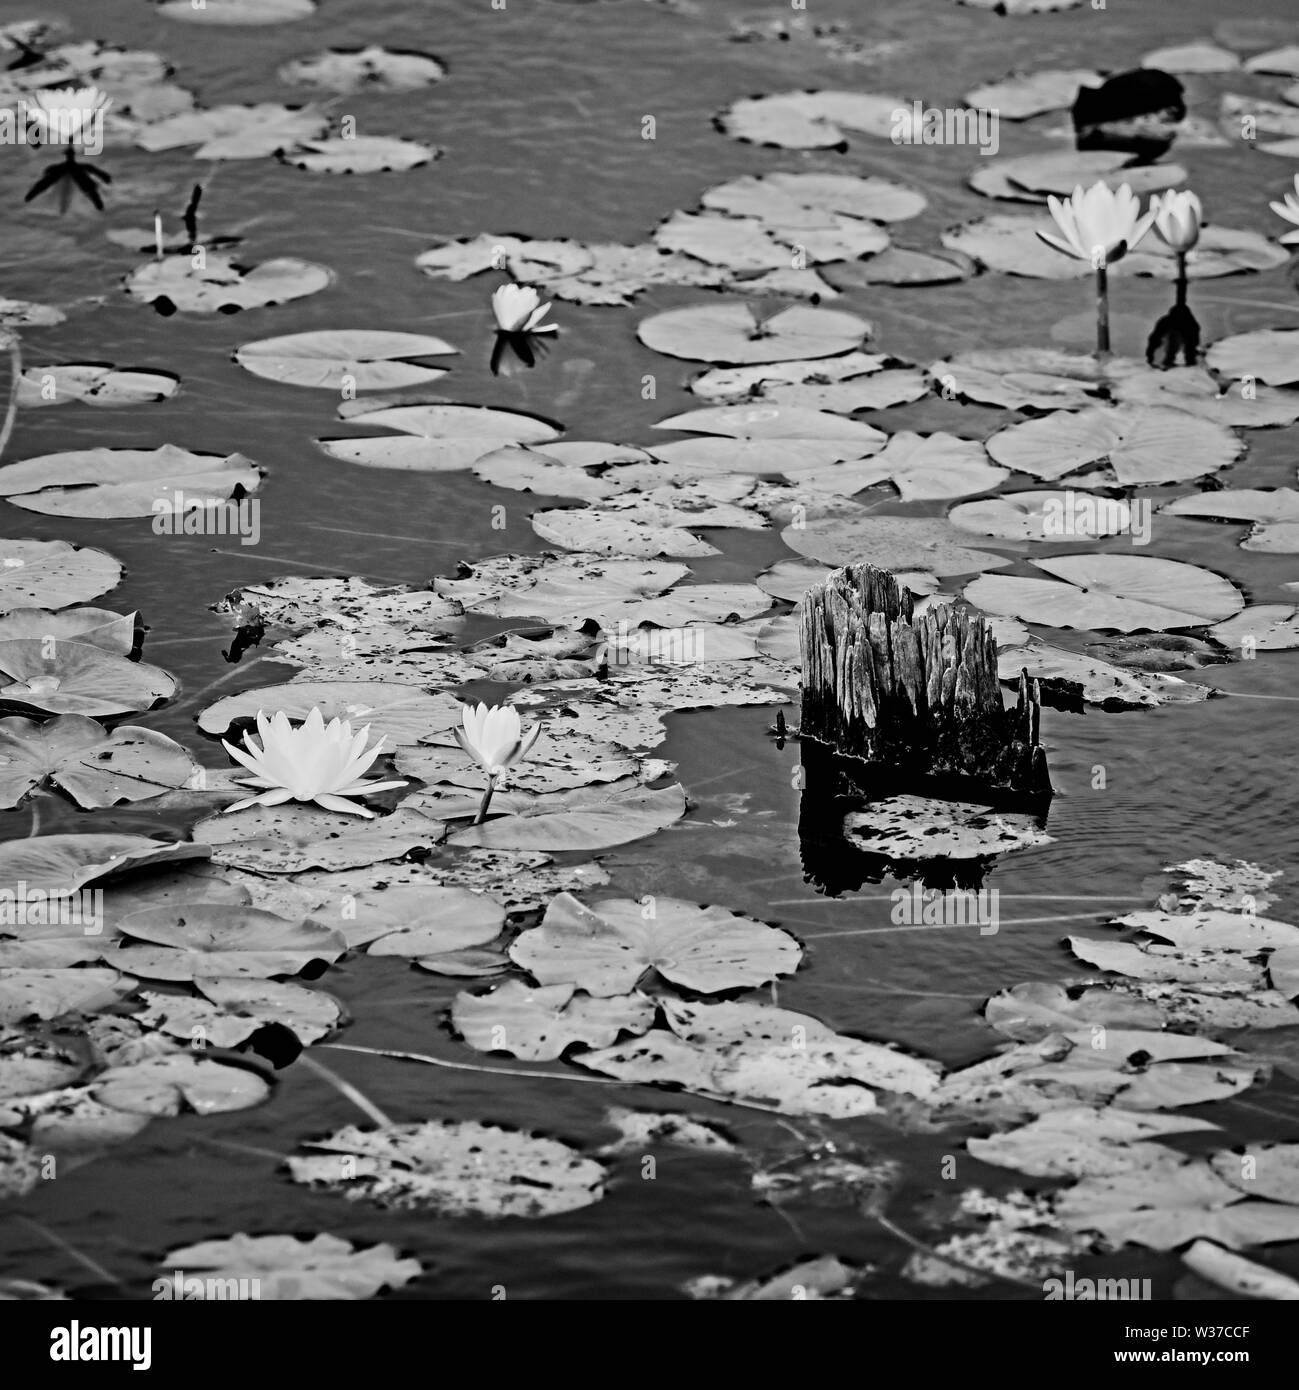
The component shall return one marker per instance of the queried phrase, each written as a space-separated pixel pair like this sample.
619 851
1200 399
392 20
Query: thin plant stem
1181 279
345 1088
473 1066
1102 313
68 1249
14 344
486 801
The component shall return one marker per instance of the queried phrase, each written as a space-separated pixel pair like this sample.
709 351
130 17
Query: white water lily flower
316 762
1290 211
520 309
65 112
1100 225
494 737
1177 219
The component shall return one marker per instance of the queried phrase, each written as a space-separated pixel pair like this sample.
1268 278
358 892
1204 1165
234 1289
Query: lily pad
842 536
234 132
1125 592
437 438
60 865
171 1085
917 827
52 574
813 120
608 947
538 1025
95 768
359 154
1020 96
218 285
1264 627
1044 516
238 11
440 920
290 838
1143 444
64 677
198 940
402 714
94 384
109 482
732 333
371 69
453 1168
232 1010
367 359
751 1052
1269 355
587 818
320 1268
1110 687
1274 512
1043 378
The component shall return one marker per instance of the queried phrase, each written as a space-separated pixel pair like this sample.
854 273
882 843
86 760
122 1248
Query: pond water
540 118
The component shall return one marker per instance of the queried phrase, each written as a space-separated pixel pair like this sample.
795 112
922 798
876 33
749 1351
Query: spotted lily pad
216 284
95 768
917 827
452 1168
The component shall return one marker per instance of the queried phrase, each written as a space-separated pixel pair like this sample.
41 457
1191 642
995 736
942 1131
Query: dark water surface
540 117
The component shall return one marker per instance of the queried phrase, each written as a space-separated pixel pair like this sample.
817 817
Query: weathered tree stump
920 694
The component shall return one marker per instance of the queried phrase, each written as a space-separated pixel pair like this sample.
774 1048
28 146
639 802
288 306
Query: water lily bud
520 309
1177 219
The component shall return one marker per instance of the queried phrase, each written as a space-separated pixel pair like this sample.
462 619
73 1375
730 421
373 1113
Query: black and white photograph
646 651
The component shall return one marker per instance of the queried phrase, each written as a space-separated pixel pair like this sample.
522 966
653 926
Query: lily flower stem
13 343
486 801
1102 313
1181 279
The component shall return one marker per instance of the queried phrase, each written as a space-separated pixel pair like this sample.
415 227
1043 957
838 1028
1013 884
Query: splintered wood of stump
921 693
